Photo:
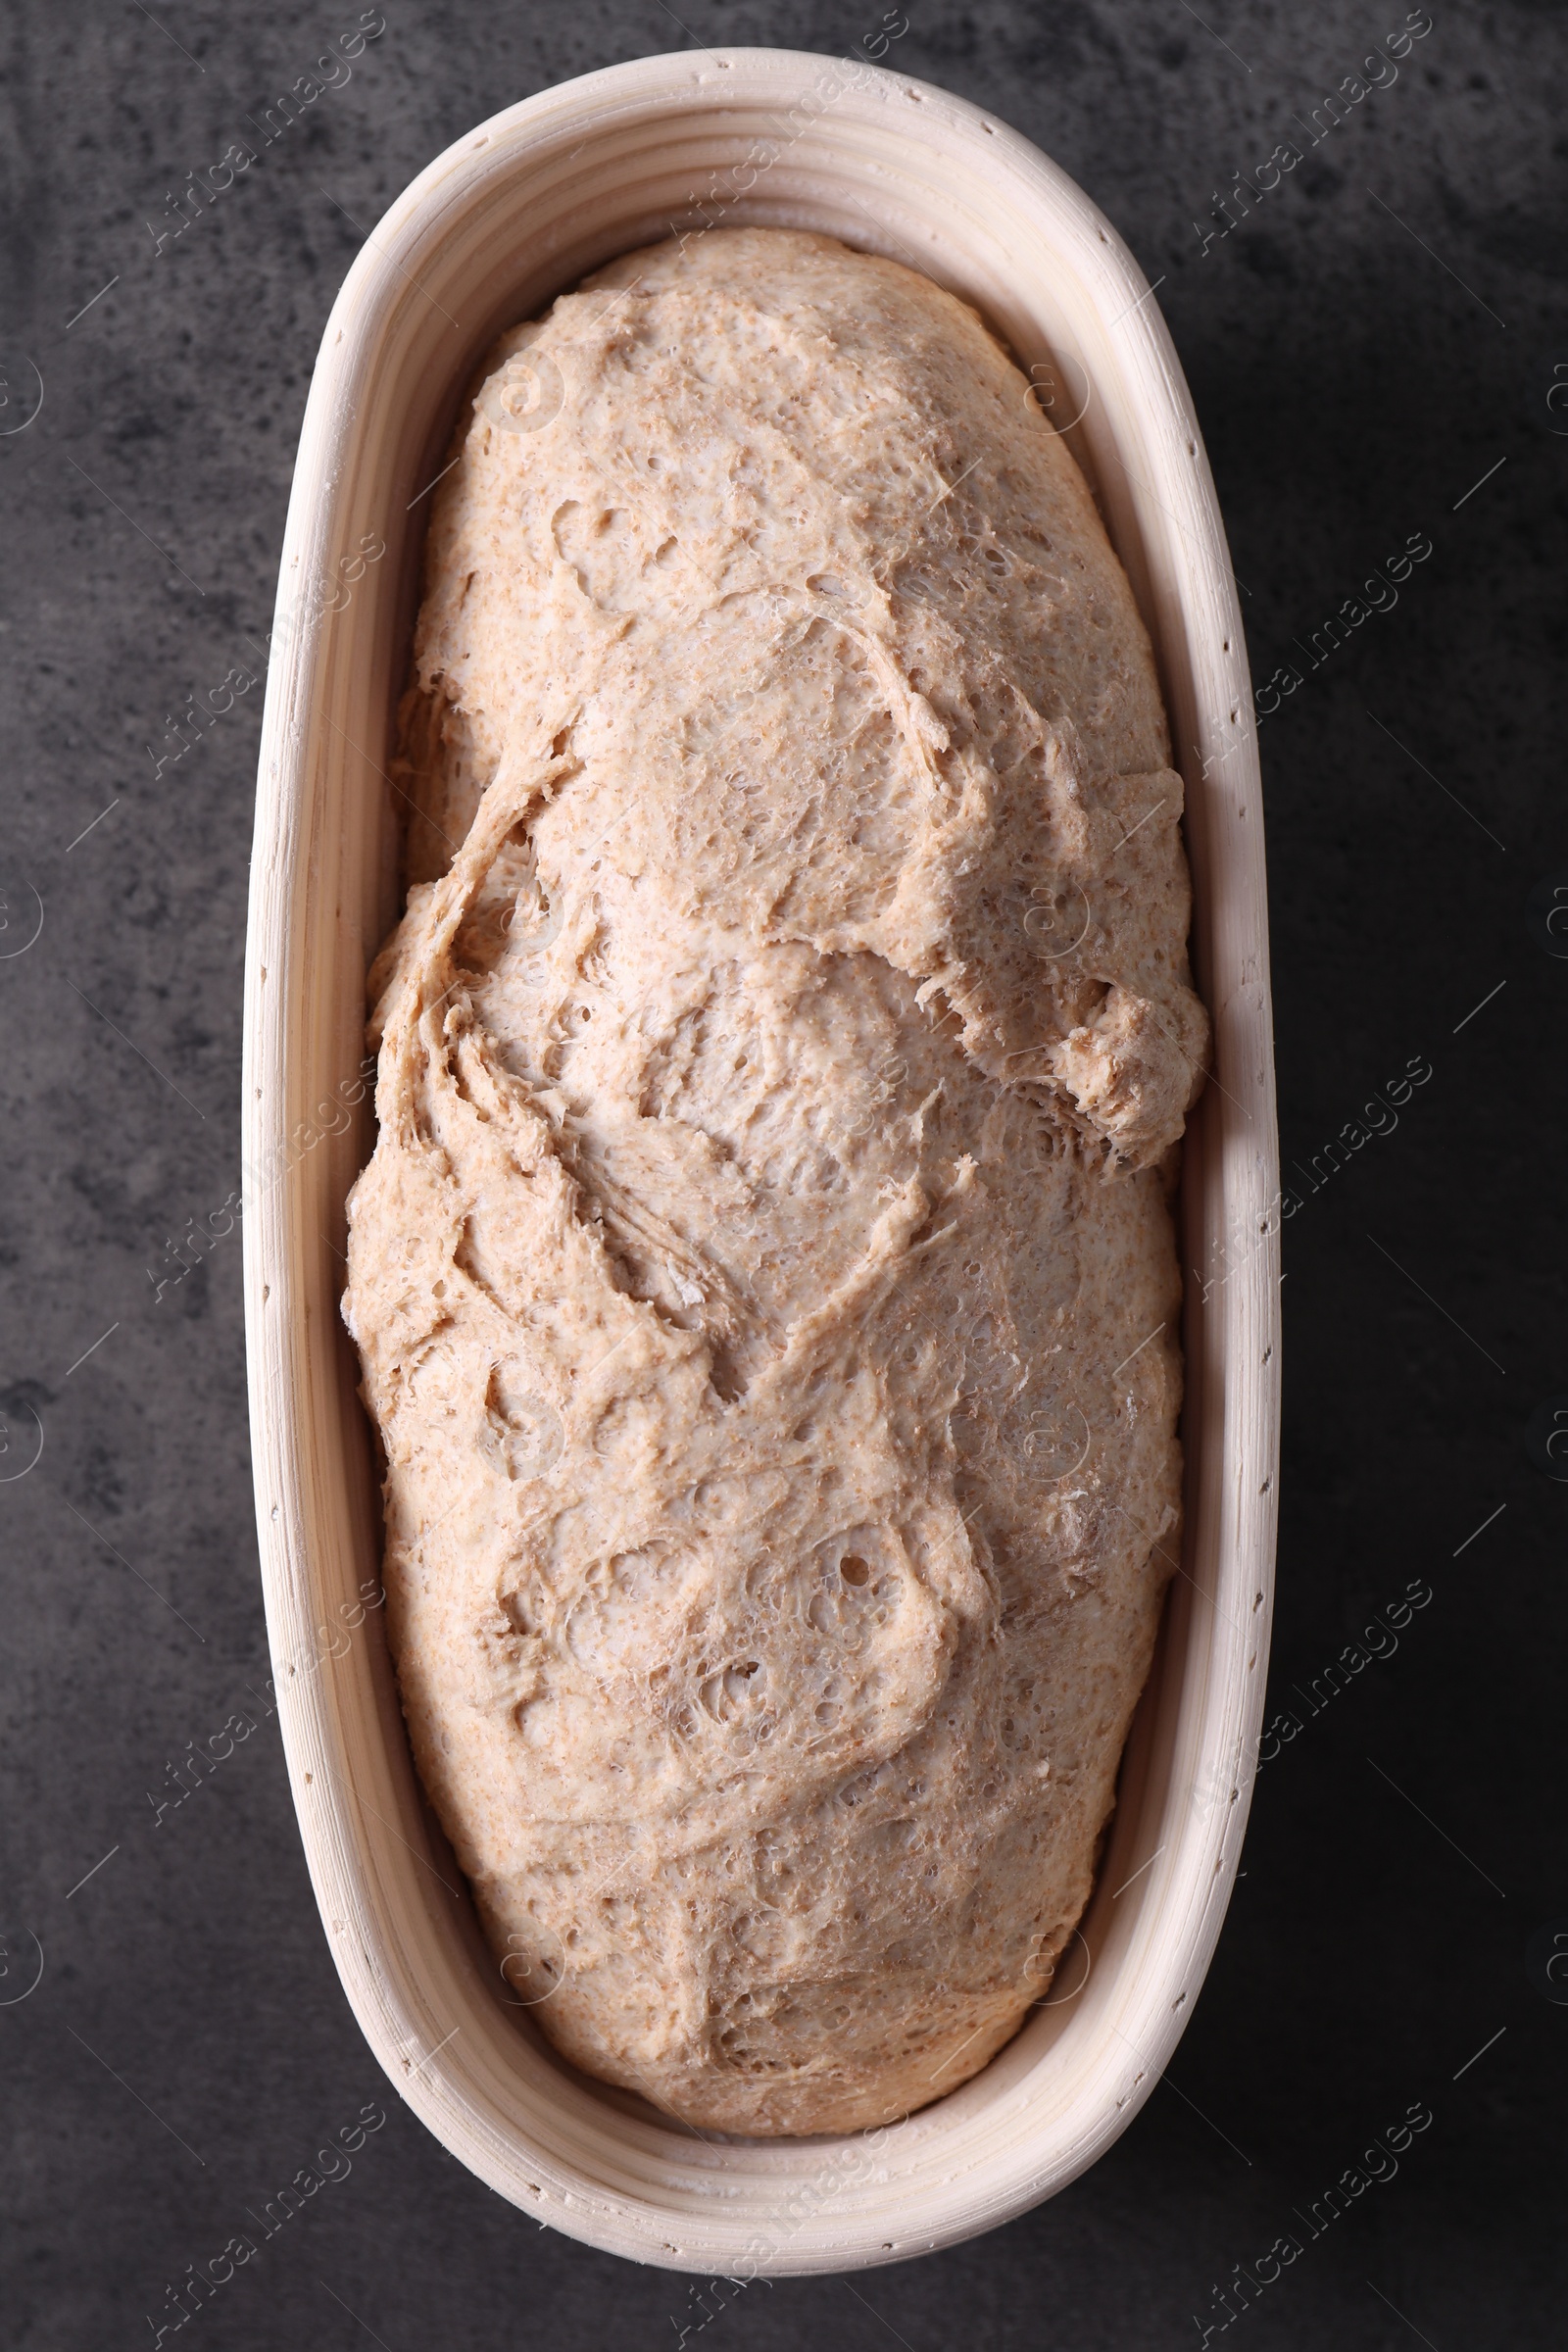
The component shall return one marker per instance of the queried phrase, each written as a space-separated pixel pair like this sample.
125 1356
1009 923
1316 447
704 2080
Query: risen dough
763 1279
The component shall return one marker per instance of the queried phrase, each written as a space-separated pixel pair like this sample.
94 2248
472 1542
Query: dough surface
764 1279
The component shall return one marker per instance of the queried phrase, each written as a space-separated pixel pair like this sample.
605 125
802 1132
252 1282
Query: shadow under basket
513 214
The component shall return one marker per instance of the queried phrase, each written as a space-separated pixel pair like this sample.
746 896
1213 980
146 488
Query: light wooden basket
508 218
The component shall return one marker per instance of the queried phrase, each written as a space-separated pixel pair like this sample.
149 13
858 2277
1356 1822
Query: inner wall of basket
538 233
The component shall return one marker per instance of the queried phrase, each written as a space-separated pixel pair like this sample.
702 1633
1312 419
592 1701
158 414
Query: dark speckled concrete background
1373 350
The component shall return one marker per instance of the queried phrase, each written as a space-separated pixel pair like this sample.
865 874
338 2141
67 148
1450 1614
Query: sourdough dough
763 1280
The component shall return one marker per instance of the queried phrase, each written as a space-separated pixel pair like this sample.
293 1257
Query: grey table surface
1378 350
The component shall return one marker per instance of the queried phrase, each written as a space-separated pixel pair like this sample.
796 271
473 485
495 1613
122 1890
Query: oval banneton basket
511 216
